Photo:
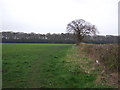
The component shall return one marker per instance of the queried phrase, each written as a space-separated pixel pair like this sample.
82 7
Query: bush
106 54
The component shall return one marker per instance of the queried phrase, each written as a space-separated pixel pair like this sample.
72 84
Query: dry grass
106 56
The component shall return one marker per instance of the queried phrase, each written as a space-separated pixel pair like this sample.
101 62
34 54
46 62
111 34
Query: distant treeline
20 37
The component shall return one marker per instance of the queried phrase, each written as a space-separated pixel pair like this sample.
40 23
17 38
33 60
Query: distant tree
80 28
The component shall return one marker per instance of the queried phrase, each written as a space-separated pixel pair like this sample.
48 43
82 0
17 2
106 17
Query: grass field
47 66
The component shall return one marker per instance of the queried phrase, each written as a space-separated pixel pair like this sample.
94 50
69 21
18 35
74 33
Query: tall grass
106 54
107 60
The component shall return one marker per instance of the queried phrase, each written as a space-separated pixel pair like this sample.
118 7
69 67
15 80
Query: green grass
27 65
46 66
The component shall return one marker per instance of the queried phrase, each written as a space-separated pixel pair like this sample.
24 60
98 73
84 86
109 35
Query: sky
52 16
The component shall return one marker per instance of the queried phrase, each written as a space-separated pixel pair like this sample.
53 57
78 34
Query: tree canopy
80 28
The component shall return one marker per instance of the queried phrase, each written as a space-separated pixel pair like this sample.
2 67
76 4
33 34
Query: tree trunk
78 38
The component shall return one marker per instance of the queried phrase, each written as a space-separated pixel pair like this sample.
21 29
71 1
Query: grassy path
26 65
39 75
47 66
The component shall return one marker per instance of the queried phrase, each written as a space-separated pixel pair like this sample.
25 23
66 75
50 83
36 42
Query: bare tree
80 28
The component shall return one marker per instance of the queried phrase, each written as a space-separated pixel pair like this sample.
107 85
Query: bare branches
81 28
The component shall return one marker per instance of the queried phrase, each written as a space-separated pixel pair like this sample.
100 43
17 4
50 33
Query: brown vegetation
106 58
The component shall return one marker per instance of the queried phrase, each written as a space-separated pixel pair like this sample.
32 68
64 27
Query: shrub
106 54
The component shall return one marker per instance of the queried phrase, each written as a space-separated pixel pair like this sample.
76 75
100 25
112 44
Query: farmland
48 66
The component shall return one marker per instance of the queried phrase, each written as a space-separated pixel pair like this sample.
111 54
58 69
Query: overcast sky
44 16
